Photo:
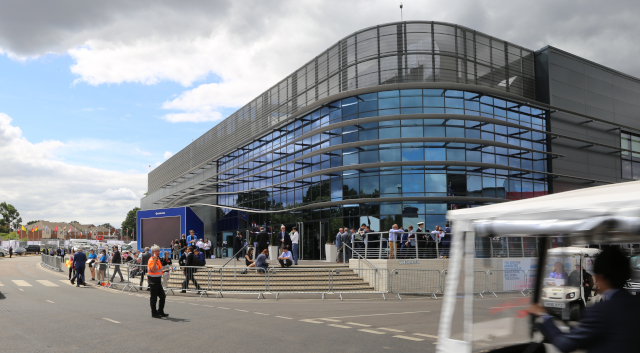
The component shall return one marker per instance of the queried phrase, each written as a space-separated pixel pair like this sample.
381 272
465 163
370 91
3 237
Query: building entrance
313 236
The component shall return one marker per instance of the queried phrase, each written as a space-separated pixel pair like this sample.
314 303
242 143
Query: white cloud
41 186
167 155
144 153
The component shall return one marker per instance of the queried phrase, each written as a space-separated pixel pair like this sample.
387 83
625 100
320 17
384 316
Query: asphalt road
40 311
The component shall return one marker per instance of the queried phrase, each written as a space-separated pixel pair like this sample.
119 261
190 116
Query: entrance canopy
588 213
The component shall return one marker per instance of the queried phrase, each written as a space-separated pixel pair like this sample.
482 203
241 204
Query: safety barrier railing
410 281
479 282
189 279
360 280
53 263
248 280
299 280
502 281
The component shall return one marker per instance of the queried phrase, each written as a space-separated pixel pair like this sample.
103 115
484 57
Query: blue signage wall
188 221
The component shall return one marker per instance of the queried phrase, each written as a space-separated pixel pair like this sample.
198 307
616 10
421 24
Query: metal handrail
234 255
360 256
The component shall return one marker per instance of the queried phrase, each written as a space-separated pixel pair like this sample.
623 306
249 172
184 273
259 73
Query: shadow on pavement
173 319
2 296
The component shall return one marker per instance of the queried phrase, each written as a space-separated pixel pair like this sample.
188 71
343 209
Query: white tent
603 214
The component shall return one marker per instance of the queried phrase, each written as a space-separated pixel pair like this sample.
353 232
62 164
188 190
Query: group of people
179 246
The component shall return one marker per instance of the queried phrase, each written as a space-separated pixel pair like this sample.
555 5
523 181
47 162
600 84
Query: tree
10 217
130 222
32 222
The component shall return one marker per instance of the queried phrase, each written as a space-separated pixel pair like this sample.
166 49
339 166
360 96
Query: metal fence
407 281
322 281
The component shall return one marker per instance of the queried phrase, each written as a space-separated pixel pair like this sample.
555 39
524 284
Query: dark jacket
262 239
145 260
183 244
609 326
238 243
183 259
79 260
116 259
287 239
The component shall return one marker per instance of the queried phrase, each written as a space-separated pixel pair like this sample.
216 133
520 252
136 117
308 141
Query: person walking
79 263
263 240
10 251
102 266
144 259
71 269
189 271
116 260
295 244
154 274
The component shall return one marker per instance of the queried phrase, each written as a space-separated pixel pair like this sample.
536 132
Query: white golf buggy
607 214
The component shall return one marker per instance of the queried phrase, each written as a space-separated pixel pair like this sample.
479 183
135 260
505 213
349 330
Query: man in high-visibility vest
154 277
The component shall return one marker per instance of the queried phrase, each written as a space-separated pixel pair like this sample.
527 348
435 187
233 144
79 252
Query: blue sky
112 126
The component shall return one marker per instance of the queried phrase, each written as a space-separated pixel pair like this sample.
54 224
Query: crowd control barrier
54 263
408 281
360 280
479 282
241 280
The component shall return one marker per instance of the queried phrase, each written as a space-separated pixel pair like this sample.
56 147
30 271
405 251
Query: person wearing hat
421 240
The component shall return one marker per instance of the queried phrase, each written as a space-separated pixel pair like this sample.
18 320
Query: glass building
394 124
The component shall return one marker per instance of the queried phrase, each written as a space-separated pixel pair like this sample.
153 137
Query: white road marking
192 304
223 308
331 320
20 289
405 313
312 321
46 283
425 335
209 306
371 331
409 338
50 302
114 321
21 283
255 312
357 324
244 311
284 317
1 285
338 326
389 329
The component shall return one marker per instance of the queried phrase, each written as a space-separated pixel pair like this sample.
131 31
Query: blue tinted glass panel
455 154
413 183
411 92
350 159
349 109
368 135
367 106
389 133
435 154
412 154
369 157
388 112
433 101
391 184
411 111
433 92
435 183
388 103
406 102
352 137
434 131
369 185
390 155
387 94
412 131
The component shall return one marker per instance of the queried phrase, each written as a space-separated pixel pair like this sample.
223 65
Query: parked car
20 251
3 252
33 249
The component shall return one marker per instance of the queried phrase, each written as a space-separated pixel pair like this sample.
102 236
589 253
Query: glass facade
630 159
420 145
388 54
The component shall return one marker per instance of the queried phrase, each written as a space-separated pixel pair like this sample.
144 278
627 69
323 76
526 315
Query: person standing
183 244
176 249
10 251
93 257
339 245
192 239
144 259
166 266
79 262
284 239
348 240
154 274
207 249
393 237
295 240
263 240
238 244
189 270
116 260
200 245
102 266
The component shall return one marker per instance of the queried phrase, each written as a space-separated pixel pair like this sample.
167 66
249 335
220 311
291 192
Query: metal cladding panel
402 52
